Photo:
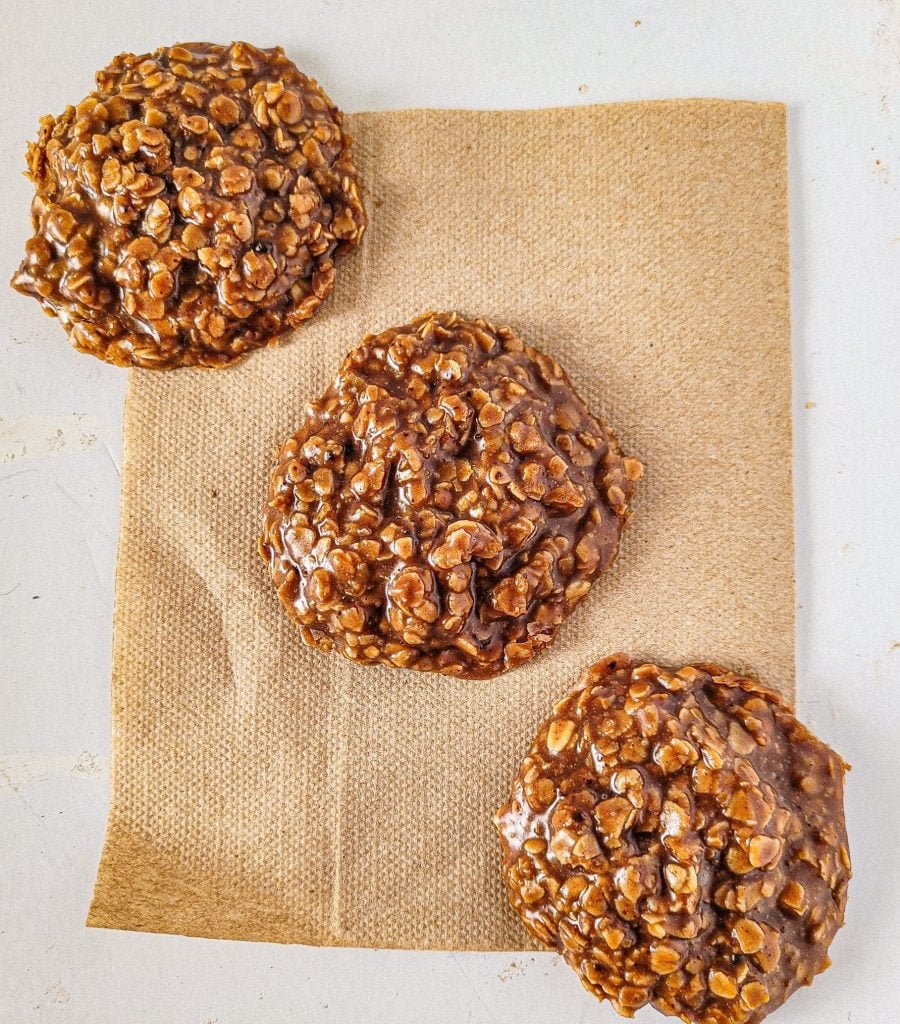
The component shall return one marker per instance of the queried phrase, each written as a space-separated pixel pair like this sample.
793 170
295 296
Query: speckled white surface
837 65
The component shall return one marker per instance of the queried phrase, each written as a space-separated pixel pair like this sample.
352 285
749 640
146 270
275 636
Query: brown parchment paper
262 790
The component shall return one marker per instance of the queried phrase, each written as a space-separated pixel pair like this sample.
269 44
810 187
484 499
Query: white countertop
837 65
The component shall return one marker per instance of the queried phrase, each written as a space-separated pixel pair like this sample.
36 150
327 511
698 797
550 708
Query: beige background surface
263 790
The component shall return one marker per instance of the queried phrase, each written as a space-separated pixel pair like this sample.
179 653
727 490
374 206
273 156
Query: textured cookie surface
679 837
446 503
190 209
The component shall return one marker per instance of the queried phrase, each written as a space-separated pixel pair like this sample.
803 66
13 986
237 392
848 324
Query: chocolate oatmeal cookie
446 503
679 837
190 209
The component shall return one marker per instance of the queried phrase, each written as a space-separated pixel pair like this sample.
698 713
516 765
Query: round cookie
446 503
679 837
190 209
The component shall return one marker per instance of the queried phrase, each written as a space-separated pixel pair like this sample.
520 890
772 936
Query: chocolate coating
446 503
190 209
679 837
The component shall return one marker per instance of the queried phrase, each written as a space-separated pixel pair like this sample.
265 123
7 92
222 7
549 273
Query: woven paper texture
262 790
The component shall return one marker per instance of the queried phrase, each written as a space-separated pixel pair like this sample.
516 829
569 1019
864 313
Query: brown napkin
262 790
